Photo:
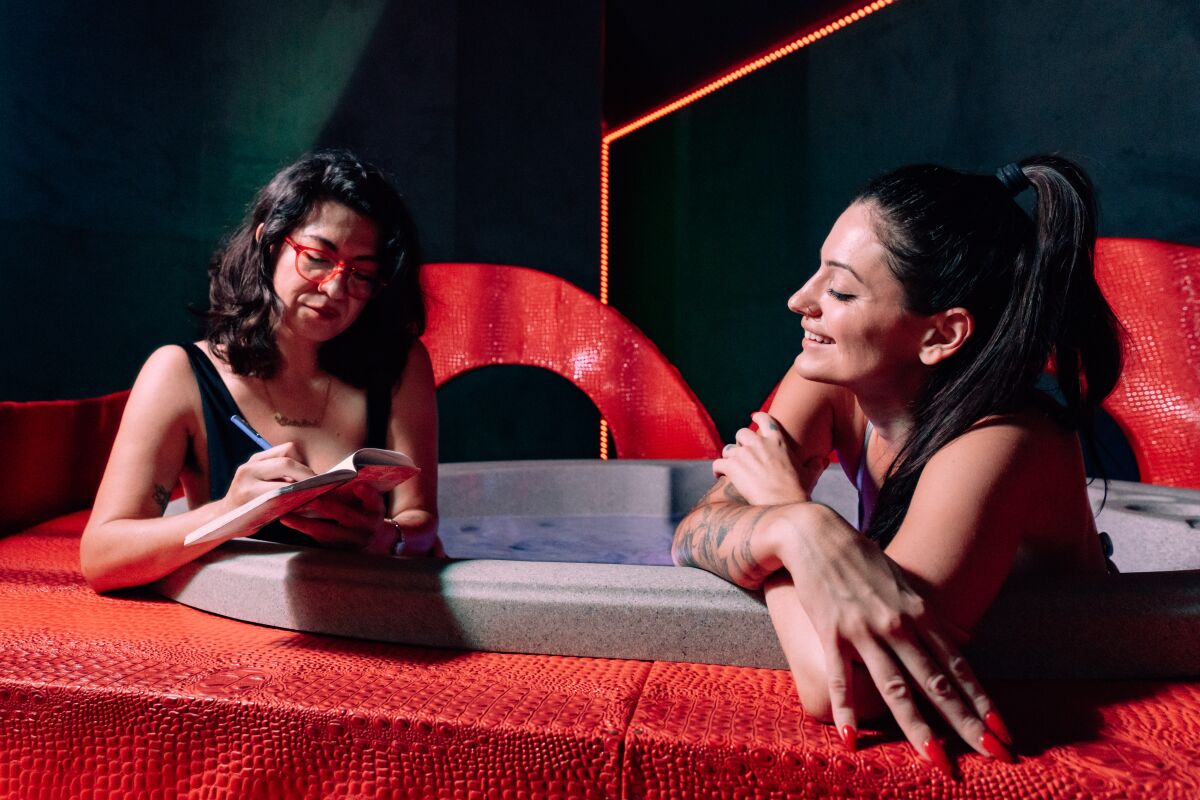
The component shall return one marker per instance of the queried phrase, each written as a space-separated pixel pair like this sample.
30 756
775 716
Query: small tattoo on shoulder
162 496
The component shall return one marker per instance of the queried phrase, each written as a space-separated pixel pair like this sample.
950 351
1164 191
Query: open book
382 470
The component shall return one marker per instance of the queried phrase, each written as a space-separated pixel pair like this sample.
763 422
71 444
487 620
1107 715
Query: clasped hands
765 465
860 604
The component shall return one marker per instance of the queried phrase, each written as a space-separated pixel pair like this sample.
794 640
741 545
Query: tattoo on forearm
715 536
162 496
729 492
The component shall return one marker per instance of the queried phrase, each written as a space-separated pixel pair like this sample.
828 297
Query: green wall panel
718 211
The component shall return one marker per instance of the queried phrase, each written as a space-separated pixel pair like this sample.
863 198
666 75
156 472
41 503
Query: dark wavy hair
956 239
243 306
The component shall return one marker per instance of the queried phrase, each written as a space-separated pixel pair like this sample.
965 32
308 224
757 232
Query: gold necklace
299 422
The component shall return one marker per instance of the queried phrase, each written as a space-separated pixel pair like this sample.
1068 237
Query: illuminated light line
744 70
604 266
607 139
604 222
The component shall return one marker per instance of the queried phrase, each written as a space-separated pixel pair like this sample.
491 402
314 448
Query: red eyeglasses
320 266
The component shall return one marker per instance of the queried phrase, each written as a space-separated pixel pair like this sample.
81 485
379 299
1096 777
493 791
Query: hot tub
573 558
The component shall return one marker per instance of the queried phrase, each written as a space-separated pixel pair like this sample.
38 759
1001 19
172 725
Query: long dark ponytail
955 239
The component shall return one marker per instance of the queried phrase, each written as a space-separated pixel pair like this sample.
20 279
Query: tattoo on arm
162 496
715 536
728 491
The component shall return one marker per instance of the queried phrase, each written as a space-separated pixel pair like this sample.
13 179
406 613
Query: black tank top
229 448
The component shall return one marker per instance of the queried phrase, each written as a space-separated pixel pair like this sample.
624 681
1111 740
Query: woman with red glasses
315 310
936 305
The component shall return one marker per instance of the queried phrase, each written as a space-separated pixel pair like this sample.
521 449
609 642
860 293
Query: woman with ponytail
937 306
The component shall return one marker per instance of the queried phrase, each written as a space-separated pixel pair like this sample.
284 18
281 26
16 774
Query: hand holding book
349 516
293 486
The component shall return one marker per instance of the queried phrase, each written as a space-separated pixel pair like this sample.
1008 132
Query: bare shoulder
1019 469
164 395
162 413
418 360
167 374
417 380
414 395
1029 437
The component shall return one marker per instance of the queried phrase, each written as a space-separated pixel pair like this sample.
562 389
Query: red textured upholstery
705 731
53 455
485 314
136 696
1153 288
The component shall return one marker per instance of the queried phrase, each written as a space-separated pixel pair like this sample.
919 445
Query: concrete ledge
612 611
1134 625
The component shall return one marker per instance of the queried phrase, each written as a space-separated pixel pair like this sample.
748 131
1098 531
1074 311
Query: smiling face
320 311
857 332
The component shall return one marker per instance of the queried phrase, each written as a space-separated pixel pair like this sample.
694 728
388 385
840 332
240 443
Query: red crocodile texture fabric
484 314
702 730
1153 288
135 696
43 469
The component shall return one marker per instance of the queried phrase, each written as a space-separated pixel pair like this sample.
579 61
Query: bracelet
398 545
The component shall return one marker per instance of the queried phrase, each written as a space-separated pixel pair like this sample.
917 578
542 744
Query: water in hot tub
607 539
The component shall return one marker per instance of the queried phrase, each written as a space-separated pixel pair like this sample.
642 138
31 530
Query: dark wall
718 210
136 132
656 52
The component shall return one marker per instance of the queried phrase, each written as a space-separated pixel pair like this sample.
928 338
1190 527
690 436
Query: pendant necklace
299 422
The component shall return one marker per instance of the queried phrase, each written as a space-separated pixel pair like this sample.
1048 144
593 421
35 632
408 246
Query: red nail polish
996 725
994 749
936 754
850 737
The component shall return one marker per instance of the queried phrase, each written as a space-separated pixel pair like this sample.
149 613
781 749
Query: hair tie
1013 179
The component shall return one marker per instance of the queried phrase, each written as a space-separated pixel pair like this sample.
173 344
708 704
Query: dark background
134 135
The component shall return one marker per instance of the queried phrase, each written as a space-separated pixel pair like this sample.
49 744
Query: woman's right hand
861 607
264 471
766 466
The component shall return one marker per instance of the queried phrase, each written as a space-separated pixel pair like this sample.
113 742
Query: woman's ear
947 332
258 232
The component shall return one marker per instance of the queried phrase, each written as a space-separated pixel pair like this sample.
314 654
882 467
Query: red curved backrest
486 314
1154 288
52 455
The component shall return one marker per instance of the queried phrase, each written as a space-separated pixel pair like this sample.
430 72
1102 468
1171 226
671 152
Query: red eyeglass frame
339 266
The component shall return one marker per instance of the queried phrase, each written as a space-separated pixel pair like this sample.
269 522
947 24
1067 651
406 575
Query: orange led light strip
741 72
796 44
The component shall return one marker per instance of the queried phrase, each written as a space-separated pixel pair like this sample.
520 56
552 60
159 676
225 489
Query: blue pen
245 428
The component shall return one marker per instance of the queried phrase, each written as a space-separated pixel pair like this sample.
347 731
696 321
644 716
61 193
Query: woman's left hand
419 536
347 517
762 465
861 607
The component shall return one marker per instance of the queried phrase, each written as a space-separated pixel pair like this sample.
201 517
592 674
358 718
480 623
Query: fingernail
994 749
850 737
996 725
936 754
